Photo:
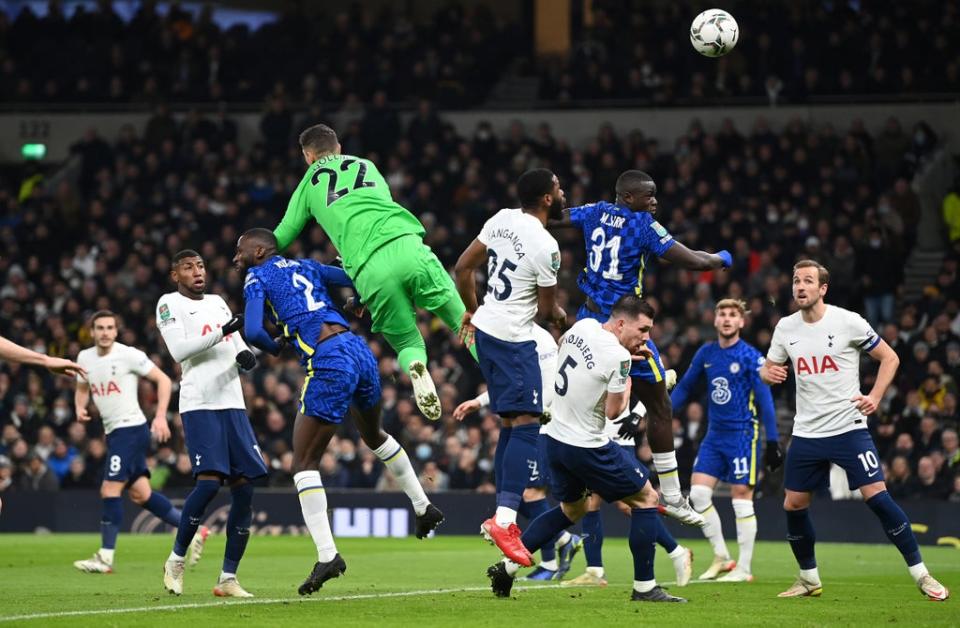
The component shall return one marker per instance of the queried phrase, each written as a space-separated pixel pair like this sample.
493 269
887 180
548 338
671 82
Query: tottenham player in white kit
522 261
592 387
202 335
113 373
555 558
824 343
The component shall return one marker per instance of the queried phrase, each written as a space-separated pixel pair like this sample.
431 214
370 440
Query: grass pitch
441 582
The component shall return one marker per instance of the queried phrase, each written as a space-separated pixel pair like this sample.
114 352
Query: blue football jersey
737 395
295 292
619 243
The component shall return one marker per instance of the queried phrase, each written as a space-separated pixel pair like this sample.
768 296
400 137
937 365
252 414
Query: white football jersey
113 379
211 378
826 365
547 354
521 255
591 362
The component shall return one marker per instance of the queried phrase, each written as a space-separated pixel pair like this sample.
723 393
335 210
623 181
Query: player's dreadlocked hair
320 139
534 185
631 306
630 180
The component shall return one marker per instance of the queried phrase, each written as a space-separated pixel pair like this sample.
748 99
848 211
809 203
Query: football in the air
714 33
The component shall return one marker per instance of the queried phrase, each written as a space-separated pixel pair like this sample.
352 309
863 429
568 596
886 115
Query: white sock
677 552
512 567
174 557
549 564
666 466
107 555
810 575
701 500
596 571
918 571
505 516
226 575
396 460
642 586
746 532
313 503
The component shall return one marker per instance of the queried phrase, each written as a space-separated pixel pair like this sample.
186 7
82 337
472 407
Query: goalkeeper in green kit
381 244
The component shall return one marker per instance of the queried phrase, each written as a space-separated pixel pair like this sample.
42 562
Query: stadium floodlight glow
33 151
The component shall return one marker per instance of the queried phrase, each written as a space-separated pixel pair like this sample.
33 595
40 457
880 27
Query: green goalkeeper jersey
351 201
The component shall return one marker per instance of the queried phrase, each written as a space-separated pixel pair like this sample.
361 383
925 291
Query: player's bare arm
12 352
465 274
772 373
616 403
547 308
563 222
889 362
81 399
159 426
689 259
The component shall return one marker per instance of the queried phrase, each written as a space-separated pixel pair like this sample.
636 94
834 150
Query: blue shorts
731 456
341 371
512 372
649 370
609 471
222 441
808 461
127 449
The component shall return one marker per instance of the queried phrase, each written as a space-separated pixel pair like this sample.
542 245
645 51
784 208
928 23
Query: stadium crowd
881 48
458 54
768 195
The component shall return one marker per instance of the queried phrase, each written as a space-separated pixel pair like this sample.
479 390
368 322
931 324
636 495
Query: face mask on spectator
61 414
424 451
875 243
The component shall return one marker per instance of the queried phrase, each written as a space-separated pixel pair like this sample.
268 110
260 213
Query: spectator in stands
927 483
35 475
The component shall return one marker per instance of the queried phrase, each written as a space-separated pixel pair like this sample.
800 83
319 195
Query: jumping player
201 334
381 244
730 450
824 343
522 260
341 370
620 238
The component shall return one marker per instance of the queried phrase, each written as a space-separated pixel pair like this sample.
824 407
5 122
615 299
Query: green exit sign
33 151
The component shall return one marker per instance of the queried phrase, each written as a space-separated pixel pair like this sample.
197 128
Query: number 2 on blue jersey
302 282
599 241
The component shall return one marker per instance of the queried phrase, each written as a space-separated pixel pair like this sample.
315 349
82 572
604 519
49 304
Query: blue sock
896 525
592 527
544 529
505 433
518 455
664 538
160 506
193 508
238 526
535 509
644 523
110 522
802 537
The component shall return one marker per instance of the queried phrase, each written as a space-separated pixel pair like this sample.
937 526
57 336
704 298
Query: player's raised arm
689 259
13 352
295 218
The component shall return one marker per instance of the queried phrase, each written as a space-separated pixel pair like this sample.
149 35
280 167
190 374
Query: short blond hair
823 275
736 304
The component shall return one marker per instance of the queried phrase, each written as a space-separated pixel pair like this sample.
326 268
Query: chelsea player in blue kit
730 450
620 239
341 371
